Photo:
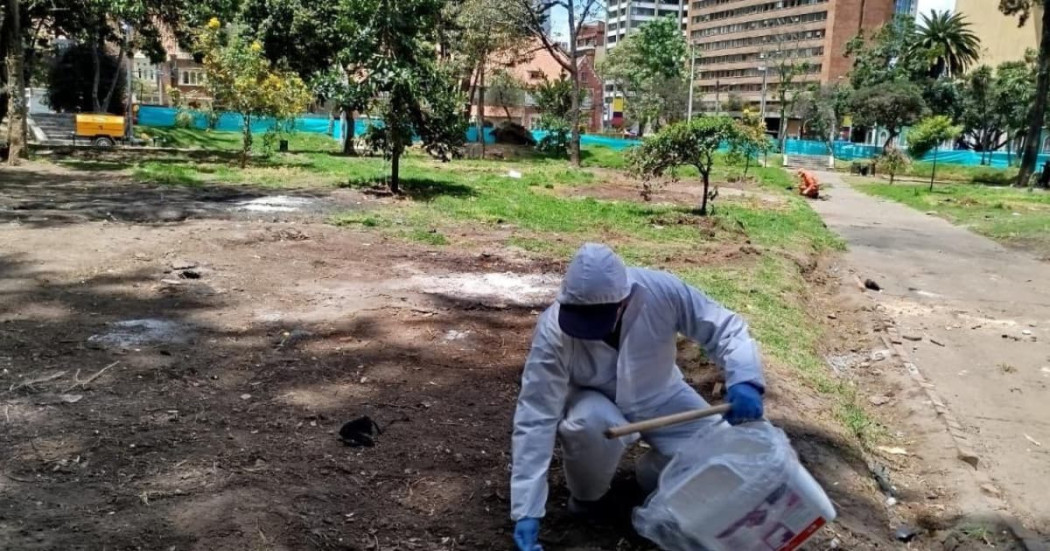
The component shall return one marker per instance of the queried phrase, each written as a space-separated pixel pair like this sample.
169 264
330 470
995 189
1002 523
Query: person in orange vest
808 186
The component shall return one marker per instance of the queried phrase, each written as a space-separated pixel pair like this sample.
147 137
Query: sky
560 24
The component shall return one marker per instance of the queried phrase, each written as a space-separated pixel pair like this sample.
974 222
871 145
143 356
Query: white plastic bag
737 488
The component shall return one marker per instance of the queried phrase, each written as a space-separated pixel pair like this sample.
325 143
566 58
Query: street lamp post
762 105
692 79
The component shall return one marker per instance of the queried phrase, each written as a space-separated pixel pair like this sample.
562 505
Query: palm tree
945 40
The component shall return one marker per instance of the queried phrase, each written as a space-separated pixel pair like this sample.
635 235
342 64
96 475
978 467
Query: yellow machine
103 130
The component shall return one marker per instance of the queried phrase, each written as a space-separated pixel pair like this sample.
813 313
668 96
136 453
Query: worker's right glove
527 534
745 403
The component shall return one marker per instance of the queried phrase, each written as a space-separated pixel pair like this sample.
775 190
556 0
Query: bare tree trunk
1038 111
934 173
703 200
348 132
116 79
574 117
481 105
331 123
97 61
246 145
16 97
395 165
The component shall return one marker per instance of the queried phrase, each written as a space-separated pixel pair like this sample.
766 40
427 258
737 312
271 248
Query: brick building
740 43
530 68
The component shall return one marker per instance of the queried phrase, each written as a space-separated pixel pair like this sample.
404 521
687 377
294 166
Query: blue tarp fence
151 115
847 151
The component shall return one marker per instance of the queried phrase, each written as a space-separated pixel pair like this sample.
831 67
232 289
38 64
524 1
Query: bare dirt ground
175 368
972 317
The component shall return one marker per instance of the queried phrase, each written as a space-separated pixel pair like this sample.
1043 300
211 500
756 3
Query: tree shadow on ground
47 199
418 189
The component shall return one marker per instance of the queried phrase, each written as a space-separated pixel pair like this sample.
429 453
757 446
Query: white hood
596 275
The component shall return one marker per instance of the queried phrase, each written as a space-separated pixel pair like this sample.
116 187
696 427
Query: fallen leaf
892 451
70 398
1033 440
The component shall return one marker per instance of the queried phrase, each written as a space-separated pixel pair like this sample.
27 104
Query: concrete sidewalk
988 307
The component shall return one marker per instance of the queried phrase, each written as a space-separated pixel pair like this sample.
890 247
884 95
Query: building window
758 40
762 24
755 9
192 78
643 11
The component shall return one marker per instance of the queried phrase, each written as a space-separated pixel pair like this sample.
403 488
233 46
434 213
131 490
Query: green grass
963 174
1013 216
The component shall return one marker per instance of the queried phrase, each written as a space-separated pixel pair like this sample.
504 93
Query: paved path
990 308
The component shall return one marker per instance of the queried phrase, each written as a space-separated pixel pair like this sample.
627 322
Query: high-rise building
743 46
622 16
1001 38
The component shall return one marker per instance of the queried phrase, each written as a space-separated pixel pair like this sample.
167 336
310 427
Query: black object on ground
360 432
871 284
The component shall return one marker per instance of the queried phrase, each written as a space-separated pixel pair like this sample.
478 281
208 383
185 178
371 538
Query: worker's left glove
745 403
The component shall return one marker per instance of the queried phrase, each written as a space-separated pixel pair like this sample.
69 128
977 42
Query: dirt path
975 319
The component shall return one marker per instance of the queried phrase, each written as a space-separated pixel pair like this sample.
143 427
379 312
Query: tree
241 79
554 99
11 37
489 27
748 139
349 94
786 68
417 95
944 40
734 103
892 161
1023 10
1015 84
821 110
886 55
69 82
892 105
687 143
983 118
506 92
579 12
928 135
648 67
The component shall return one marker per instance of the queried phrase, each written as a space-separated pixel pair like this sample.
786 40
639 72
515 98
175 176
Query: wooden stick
650 424
85 382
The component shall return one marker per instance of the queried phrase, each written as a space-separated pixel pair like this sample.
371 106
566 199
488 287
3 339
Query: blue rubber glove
527 534
745 403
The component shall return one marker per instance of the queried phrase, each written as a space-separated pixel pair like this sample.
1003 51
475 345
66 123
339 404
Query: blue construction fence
847 151
157 116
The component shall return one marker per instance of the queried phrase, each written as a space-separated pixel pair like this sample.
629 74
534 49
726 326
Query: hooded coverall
573 389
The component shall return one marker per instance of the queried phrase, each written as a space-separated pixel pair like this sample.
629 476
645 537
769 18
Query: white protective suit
574 389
